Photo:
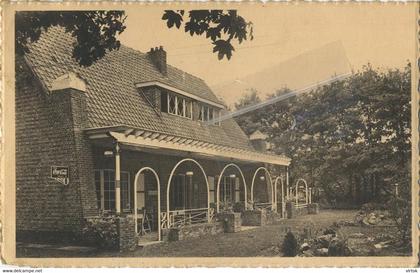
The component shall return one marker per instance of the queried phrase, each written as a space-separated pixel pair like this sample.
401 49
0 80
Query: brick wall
254 218
153 95
193 231
232 221
127 237
49 132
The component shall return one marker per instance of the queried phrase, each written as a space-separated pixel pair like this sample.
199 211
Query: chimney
258 141
158 57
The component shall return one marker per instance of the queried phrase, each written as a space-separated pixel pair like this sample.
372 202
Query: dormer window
207 113
211 113
179 106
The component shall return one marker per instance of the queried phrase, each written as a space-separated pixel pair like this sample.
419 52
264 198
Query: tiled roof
112 98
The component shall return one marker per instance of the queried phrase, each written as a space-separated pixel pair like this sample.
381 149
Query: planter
231 221
254 218
192 231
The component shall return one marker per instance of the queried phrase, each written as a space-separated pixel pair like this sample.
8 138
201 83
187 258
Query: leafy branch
221 27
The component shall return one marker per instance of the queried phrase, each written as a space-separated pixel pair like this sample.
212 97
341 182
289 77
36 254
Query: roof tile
112 97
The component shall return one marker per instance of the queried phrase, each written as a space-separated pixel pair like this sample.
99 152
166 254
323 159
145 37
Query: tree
96 31
220 26
350 138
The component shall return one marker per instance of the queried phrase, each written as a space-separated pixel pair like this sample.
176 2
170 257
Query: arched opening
279 196
147 203
301 192
187 195
265 177
229 187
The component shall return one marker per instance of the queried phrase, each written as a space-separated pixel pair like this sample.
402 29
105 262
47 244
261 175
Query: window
211 180
179 106
172 104
201 113
207 113
227 189
105 189
178 192
188 109
211 116
98 187
125 190
109 190
204 113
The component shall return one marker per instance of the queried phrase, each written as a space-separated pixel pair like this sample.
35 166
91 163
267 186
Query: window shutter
164 101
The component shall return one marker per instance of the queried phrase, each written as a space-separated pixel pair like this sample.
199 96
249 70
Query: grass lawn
262 241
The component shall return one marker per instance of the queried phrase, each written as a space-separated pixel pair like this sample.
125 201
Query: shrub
238 207
101 231
400 213
290 245
338 247
370 207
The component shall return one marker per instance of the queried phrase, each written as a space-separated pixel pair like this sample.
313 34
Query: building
128 135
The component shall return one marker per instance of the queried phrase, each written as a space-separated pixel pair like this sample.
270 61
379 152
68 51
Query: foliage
225 206
400 213
102 231
338 247
239 207
95 31
290 245
220 26
349 139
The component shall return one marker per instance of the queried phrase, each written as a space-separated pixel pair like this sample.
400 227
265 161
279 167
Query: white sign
60 174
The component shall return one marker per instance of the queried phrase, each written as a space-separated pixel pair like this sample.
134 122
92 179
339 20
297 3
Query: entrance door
147 205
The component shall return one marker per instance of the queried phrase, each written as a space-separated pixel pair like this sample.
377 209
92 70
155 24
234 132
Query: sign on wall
60 174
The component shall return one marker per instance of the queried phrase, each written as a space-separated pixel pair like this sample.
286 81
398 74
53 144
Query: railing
164 220
267 206
304 205
179 218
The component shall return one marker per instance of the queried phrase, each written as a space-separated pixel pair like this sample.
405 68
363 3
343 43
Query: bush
370 207
290 245
101 231
238 207
338 247
400 213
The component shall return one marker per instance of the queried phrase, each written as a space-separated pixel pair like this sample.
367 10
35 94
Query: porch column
283 206
275 195
287 182
117 179
310 195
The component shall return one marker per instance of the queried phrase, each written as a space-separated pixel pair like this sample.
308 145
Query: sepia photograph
253 130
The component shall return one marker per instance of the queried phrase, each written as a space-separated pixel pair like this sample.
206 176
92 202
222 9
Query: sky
357 34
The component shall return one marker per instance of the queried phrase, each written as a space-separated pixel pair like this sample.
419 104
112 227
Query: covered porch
165 181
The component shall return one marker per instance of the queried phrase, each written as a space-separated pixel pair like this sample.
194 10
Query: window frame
102 190
228 191
175 108
205 115
185 101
